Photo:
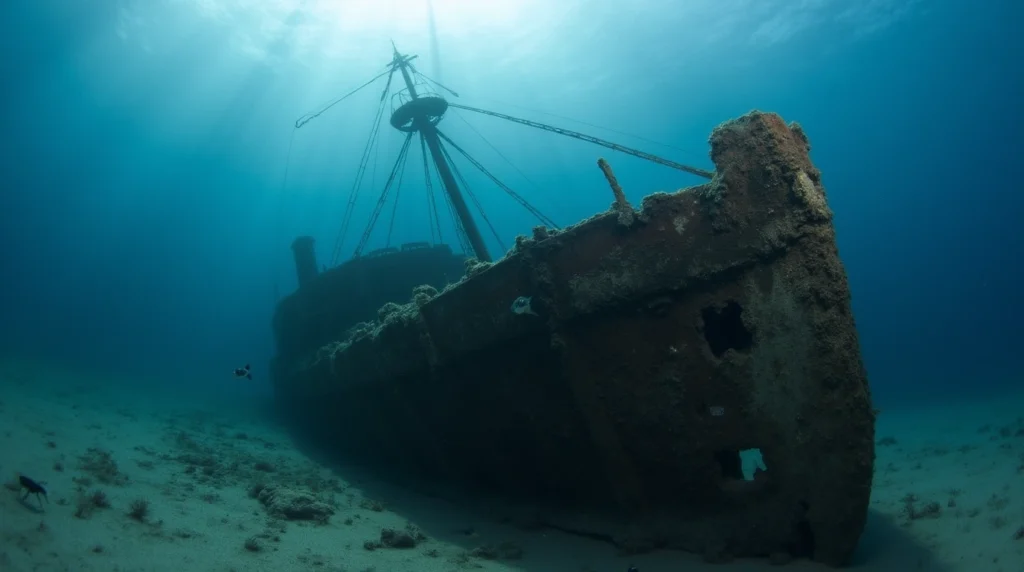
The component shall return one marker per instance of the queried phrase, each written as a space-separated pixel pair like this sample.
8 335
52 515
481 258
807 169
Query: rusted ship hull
666 340
329 303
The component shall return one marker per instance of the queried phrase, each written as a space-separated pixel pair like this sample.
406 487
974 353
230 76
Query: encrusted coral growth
292 504
474 267
423 294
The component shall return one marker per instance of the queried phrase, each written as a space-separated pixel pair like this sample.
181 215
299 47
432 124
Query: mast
422 114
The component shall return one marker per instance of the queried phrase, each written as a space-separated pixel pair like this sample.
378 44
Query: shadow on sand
461 519
887 546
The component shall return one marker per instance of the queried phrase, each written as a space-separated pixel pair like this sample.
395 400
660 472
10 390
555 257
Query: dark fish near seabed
32 488
243 372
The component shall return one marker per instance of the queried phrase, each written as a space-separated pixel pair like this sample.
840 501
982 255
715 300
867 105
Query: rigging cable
596 140
596 126
500 154
472 195
360 173
438 84
399 163
544 219
398 191
310 116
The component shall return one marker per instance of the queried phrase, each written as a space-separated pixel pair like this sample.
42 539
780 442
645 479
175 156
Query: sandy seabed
143 479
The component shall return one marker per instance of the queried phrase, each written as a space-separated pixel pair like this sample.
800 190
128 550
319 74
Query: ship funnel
305 259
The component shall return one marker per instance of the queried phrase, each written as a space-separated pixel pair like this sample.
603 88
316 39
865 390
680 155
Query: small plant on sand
99 499
88 504
139 509
101 465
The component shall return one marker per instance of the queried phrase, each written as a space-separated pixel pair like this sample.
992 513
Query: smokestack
305 259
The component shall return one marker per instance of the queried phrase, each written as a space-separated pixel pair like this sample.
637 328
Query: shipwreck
662 347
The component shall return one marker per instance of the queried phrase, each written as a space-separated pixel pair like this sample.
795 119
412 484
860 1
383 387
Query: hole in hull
740 465
724 329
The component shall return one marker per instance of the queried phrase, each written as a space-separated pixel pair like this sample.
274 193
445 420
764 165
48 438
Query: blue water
146 213
152 181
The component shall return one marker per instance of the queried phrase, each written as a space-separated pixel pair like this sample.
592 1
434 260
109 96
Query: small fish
32 488
521 306
243 372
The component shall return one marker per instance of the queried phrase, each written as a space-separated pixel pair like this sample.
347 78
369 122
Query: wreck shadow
885 545
469 520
